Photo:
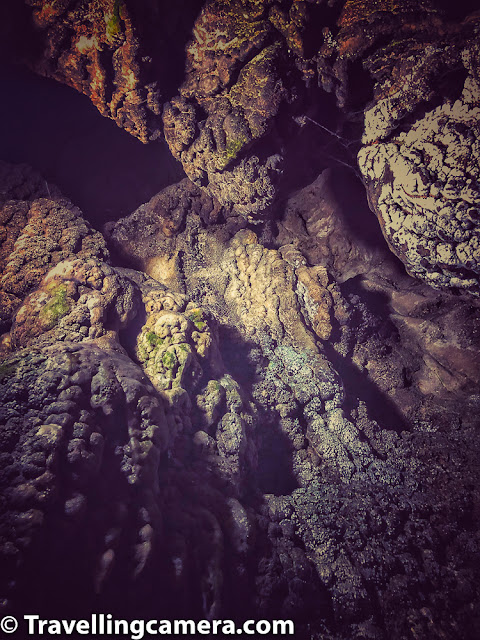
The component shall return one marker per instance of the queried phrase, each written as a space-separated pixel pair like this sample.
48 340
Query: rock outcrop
249 74
235 402
357 385
82 439
95 48
39 230
109 365
421 162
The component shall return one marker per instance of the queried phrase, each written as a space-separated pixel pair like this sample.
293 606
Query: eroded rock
273 424
85 459
37 235
96 49
423 184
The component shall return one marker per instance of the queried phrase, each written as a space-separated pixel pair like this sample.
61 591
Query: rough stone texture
249 70
94 47
289 420
77 300
361 31
82 436
37 235
234 76
165 215
243 400
358 385
424 183
329 222
84 433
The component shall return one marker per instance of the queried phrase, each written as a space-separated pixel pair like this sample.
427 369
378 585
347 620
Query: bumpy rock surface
36 234
237 424
95 48
423 183
250 69
82 438
78 299
358 443
85 343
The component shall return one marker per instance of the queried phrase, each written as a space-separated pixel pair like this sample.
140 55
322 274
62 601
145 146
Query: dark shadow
165 29
457 10
246 364
357 384
357 216
275 472
100 167
308 148
19 39
238 356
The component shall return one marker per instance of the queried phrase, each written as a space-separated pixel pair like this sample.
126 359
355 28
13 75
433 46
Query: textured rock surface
424 182
37 234
250 68
95 48
364 438
271 424
81 445
78 299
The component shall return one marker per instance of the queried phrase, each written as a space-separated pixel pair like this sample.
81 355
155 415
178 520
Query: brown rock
36 236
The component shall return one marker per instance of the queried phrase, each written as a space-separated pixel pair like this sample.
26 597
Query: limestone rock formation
235 402
95 48
355 383
249 72
82 438
21 182
234 88
38 233
124 386
423 182
78 299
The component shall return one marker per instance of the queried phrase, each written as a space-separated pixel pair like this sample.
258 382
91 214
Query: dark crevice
105 62
166 46
358 384
275 472
100 167
457 10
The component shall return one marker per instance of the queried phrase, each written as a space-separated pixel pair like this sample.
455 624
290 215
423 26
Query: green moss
57 307
235 146
153 339
169 360
256 89
215 388
113 28
250 30
177 382
6 369
196 316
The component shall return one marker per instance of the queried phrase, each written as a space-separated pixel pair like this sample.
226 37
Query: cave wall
254 395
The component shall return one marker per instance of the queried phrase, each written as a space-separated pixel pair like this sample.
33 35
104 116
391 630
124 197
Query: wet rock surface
236 401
